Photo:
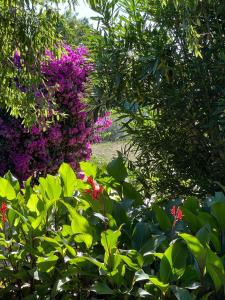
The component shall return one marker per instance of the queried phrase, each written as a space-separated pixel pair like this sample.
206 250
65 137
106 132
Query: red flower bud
3 207
179 214
173 211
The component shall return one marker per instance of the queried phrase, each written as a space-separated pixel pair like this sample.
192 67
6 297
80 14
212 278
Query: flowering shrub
26 152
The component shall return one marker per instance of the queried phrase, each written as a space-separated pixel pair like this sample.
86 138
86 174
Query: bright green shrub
67 238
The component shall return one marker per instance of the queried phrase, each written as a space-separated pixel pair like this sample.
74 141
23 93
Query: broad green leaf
130 193
191 203
162 218
52 187
85 259
218 211
102 288
79 223
162 286
88 168
52 241
71 250
203 234
32 203
140 275
214 267
84 238
109 239
38 220
117 169
128 261
46 264
196 248
181 293
141 234
173 262
6 189
69 179
191 219
13 181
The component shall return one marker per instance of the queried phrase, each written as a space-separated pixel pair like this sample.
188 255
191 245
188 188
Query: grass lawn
105 152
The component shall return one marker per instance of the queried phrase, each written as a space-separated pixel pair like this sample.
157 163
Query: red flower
96 189
176 212
3 208
3 211
173 211
179 214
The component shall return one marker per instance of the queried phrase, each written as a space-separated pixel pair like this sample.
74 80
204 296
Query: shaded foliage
161 63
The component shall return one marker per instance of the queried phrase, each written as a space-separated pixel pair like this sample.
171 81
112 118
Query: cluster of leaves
69 139
160 63
61 242
31 27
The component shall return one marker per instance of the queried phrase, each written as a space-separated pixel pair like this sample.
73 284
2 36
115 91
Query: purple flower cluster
36 151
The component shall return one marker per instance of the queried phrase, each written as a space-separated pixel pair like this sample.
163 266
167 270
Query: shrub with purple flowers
35 151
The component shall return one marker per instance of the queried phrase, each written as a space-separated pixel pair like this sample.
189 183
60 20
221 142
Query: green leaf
191 219
109 239
52 187
79 223
181 293
162 286
80 260
69 179
128 261
6 189
84 238
218 211
117 169
196 248
173 262
204 234
162 218
89 169
102 288
130 193
36 222
50 240
214 267
140 275
191 203
140 235
32 203
47 264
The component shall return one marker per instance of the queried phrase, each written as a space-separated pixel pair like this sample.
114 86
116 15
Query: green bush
67 238
159 65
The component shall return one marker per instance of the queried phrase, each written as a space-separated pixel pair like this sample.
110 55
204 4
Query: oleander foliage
70 238
160 64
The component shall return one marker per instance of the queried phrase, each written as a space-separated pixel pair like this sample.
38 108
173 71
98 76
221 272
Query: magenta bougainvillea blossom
27 152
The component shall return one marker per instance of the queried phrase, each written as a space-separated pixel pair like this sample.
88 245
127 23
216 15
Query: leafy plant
159 66
66 238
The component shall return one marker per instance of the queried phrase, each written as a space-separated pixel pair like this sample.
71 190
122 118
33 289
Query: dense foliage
30 27
67 238
36 151
161 64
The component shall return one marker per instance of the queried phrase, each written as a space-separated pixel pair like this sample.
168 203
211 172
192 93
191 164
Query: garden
112 150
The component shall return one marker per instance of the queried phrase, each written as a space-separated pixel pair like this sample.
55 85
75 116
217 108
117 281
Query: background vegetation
160 64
